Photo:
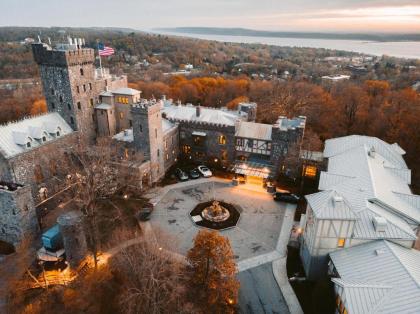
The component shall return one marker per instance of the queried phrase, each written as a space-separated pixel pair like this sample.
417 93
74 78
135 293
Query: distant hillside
257 33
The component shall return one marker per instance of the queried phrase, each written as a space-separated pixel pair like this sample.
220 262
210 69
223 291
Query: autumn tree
213 272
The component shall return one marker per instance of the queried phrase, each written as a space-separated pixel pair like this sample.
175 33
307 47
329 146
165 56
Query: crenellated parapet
45 55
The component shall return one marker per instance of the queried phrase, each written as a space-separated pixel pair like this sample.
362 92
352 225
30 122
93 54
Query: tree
152 279
97 173
213 272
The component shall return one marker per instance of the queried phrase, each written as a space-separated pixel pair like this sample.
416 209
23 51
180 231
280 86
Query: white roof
15 136
373 185
126 91
207 115
330 205
103 106
167 125
124 136
378 277
253 130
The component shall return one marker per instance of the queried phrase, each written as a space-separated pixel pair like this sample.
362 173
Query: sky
367 16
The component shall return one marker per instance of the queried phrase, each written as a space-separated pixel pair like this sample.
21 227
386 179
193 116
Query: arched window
57 133
44 139
28 144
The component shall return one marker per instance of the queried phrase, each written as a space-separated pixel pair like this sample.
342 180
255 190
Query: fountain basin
217 215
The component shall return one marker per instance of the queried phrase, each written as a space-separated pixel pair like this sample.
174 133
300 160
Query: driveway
259 292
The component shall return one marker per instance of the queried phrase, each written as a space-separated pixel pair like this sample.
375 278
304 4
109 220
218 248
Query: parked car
286 197
205 172
194 174
181 175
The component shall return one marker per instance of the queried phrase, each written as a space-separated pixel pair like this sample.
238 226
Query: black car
181 175
286 197
194 174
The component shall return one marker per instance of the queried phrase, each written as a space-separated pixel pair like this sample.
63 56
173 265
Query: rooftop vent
372 152
338 200
379 251
379 223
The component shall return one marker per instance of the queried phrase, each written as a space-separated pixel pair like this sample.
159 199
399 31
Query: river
410 50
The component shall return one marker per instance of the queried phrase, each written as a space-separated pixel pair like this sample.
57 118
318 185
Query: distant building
335 78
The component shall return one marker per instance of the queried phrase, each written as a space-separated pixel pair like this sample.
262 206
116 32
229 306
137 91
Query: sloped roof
167 125
15 136
380 264
325 206
373 185
253 130
361 297
126 91
207 115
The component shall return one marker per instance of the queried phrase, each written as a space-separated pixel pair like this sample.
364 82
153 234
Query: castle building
85 103
364 199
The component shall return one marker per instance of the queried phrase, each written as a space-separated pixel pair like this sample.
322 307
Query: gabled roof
362 175
380 265
21 136
330 205
362 297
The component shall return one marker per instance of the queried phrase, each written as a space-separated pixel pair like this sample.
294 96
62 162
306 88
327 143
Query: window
141 128
69 106
53 105
158 152
81 72
341 242
130 122
79 105
222 140
28 144
61 98
186 149
91 102
90 86
310 171
71 120
44 139
167 156
57 133
121 115
156 133
106 82
84 87
78 89
166 144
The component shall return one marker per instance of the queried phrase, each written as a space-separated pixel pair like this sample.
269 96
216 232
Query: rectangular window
90 86
156 133
91 102
121 115
167 156
84 87
78 89
222 140
79 105
341 242
186 149
130 123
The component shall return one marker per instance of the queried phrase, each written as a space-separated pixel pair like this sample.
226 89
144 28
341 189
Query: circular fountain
215 214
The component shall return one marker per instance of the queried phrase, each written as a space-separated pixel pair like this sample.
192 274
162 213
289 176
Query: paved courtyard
255 239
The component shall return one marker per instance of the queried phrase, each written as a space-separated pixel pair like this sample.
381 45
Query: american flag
105 51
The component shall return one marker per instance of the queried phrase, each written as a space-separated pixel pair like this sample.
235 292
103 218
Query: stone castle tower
148 135
68 79
18 215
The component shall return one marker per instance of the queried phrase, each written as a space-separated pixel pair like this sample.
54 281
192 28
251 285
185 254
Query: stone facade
17 213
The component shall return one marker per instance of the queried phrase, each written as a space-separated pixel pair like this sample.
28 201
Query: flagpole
100 61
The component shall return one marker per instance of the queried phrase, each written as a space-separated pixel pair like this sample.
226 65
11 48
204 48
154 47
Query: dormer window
44 139
57 133
28 144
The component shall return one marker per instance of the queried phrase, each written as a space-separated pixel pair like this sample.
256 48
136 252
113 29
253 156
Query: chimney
197 111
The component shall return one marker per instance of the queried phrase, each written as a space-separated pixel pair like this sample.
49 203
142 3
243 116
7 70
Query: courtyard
256 238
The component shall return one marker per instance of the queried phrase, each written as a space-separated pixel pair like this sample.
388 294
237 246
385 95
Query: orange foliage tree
38 106
213 272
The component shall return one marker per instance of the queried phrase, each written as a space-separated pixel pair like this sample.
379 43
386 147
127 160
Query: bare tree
97 173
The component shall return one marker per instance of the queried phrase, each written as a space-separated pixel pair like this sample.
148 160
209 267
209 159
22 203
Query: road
259 292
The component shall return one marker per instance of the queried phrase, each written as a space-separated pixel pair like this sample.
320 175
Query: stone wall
18 215
211 149
171 147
